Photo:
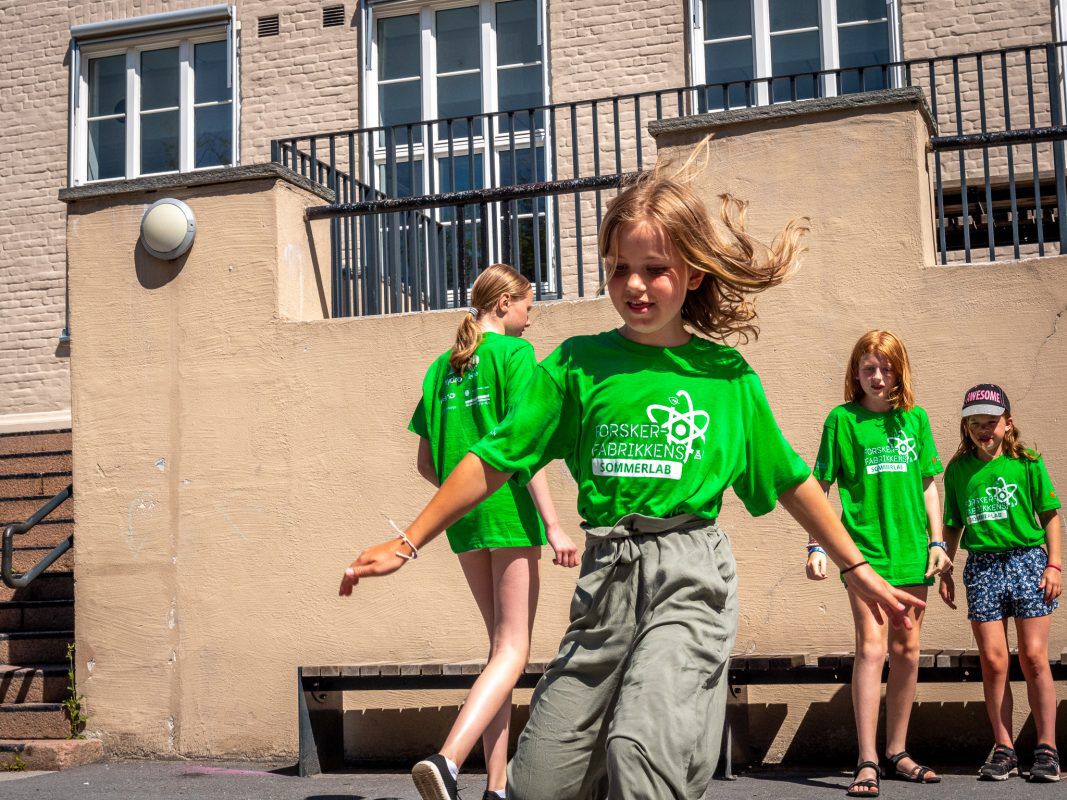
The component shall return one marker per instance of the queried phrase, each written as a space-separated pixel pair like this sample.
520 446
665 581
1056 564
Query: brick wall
306 80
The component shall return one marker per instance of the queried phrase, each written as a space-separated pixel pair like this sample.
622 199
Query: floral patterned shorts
1001 585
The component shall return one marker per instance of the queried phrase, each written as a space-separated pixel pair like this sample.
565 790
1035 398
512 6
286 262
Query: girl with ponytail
466 393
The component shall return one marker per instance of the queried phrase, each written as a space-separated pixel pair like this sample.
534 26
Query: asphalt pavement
170 780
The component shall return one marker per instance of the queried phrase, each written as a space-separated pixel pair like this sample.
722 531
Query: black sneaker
491 795
1046 767
433 780
1000 766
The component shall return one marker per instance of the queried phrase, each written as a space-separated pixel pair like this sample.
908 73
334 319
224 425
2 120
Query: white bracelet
407 541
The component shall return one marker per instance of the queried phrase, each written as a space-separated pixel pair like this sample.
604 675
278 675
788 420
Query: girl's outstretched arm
808 504
468 484
566 554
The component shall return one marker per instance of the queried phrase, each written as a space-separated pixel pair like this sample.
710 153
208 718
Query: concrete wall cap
863 102
188 179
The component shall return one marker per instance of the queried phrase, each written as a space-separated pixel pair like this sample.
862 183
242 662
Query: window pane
523 166
107 86
516 32
519 88
462 167
403 174
400 103
787 15
526 247
856 10
398 47
214 135
861 45
726 63
727 18
209 64
159 78
793 54
159 142
107 149
458 96
458 43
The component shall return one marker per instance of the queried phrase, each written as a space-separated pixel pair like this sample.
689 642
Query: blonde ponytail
494 281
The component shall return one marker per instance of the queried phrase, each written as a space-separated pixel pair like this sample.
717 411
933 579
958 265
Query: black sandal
917 775
867 782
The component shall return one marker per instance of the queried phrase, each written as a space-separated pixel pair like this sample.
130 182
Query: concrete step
51 461
24 559
33 721
47 586
51 754
36 615
17 509
34 483
33 683
47 533
35 442
34 647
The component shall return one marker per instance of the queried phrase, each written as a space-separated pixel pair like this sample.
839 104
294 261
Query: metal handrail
20 581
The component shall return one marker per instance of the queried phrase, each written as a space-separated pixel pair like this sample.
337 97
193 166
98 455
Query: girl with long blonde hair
466 393
655 421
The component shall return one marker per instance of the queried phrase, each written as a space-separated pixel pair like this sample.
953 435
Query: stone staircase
37 622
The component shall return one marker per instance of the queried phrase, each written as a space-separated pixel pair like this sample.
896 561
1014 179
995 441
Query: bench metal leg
321 721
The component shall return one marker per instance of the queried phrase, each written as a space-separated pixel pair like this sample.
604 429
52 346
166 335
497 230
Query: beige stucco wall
233 451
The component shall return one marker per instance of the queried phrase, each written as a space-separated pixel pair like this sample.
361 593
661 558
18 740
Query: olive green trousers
633 705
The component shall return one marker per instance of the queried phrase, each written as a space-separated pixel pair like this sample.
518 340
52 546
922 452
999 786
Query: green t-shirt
648 430
879 461
455 412
996 502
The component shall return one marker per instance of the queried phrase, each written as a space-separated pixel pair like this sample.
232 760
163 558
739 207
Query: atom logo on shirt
1004 492
656 450
905 445
683 426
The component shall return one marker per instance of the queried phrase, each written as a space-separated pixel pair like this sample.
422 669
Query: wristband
814 548
942 545
1056 567
847 570
407 541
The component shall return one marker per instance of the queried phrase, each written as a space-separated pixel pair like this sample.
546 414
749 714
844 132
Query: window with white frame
477 68
153 102
753 52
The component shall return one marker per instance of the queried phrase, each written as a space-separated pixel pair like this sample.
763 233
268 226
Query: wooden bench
320 709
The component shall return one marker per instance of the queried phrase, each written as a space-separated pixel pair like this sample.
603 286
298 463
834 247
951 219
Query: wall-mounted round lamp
167 228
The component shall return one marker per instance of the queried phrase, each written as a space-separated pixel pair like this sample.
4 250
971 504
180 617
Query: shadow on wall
155 273
417 731
955 733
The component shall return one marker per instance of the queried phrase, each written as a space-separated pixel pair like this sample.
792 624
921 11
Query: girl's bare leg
992 638
867 681
900 687
505 585
1033 658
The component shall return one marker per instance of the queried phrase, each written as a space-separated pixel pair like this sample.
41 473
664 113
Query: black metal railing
20 580
1013 90
438 274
